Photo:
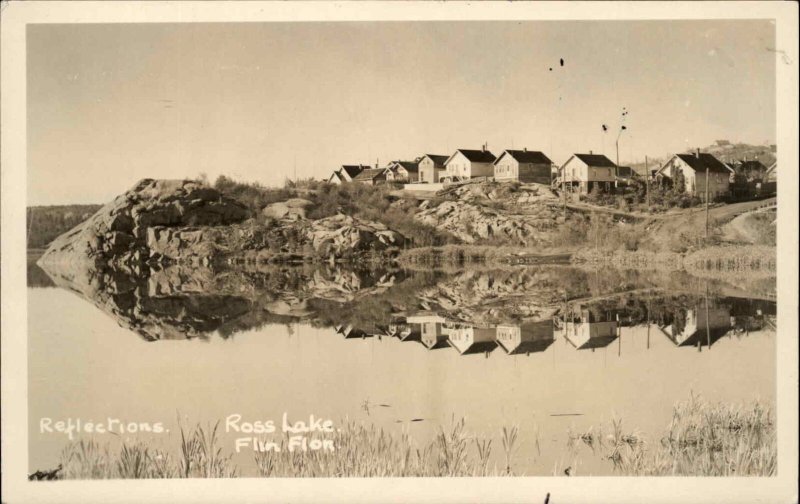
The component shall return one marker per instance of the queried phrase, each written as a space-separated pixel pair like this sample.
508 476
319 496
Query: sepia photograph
461 249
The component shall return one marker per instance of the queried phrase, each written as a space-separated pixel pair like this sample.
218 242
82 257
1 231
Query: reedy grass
702 439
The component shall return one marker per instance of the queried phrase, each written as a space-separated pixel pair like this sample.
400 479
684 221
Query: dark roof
596 160
478 156
437 159
699 162
370 174
354 170
526 156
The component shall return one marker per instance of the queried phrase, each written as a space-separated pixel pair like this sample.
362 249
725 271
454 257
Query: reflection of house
431 168
466 164
693 327
472 340
590 330
584 335
526 338
523 165
585 172
403 171
409 332
346 173
691 168
433 330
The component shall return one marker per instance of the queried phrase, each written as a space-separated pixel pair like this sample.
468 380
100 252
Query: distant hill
45 223
725 151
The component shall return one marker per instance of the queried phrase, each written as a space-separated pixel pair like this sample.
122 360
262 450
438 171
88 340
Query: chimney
524 149
484 147
590 151
697 154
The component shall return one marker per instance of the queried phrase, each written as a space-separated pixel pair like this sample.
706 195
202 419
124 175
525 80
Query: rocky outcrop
511 213
290 210
120 232
340 234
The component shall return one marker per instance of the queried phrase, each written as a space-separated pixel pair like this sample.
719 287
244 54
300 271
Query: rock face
290 210
121 232
342 233
518 214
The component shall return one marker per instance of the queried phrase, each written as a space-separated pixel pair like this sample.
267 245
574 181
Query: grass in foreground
702 439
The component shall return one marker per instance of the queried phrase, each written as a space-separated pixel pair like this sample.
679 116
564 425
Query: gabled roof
438 160
409 166
370 174
526 156
354 170
596 160
699 162
475 156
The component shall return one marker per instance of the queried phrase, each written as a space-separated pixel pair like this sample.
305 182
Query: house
527 338
698 326
585 172
372 176
403 171
472 340
691 168
524 166
431 168
465 164
346 173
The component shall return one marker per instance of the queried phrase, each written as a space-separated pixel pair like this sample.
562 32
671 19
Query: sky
111 104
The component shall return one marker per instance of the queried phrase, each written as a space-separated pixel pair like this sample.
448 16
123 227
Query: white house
467 164
431 168
693 169
585 172
524 166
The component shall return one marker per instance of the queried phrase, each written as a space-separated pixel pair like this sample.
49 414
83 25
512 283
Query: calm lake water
549 349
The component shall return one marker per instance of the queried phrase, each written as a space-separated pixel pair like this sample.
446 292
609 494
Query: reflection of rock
119 232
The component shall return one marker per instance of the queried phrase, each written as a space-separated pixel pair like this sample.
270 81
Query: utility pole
706 202
647 182
564 191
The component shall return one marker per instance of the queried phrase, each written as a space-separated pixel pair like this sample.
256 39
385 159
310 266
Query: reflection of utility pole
706 203
708 330
619 337
648 321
